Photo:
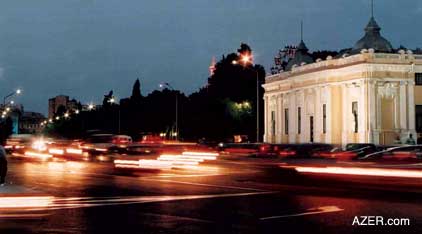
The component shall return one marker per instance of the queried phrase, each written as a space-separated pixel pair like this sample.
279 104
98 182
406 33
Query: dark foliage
224 107
6 129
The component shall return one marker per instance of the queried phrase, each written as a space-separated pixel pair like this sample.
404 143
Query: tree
60 110
221 103
6 129
136 91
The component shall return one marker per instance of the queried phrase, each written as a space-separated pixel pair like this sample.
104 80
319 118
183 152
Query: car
97 144
351 151
17 143
411 153
271 150
240 148
304 150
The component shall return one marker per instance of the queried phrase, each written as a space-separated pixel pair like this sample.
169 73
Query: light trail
25 202
360 171
51 203
312 211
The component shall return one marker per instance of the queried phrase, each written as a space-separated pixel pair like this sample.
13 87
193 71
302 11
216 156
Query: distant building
369 93
61 100
30 122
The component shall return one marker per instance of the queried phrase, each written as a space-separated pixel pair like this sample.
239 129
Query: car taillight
264 148
287 153
325 154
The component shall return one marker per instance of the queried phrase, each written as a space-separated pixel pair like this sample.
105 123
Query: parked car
271 150
240 148
396 154
351 151
305 150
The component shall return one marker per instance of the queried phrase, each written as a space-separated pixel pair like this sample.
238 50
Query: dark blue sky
84 48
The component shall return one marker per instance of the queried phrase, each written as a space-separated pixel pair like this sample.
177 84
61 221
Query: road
230 195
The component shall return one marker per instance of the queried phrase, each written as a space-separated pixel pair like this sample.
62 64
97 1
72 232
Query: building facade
30 122
61 100
369 93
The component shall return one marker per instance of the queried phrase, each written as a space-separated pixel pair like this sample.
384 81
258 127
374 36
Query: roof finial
372 8
301 30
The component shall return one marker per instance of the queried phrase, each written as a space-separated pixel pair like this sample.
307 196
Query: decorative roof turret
372 38
301 55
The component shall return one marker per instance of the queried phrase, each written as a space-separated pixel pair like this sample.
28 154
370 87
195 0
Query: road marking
181 176
85 202
208 185
179 217
362 171
312 211
22 216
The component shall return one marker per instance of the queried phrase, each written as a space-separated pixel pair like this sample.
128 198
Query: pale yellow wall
285 138
418 95
387 112
336 114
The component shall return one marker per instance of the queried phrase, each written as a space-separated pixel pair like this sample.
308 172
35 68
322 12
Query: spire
372 8
301 54
372 26
301 30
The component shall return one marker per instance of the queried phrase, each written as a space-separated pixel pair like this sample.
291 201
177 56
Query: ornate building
369 93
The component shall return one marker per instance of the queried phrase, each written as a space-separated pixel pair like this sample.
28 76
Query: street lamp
16 92
163 85
112 100
247 59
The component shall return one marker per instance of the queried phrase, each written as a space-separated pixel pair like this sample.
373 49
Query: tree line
225 106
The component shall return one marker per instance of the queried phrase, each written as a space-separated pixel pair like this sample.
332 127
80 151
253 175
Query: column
317 115
411 98
372 112
362 117
304 118
346 113
266 133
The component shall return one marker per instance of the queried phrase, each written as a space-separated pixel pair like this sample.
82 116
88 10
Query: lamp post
162 85
247 59
17 92
112 101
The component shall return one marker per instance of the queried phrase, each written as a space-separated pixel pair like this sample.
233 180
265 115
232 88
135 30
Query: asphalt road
229 195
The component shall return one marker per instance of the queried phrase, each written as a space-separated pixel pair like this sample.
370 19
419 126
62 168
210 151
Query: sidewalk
17 190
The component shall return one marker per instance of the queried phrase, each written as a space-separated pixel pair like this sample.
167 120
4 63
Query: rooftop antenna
372 8
301 30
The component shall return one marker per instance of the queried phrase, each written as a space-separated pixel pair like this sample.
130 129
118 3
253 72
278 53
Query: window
299 118
324 118
286 121
355 115
418 78
273 123
418 119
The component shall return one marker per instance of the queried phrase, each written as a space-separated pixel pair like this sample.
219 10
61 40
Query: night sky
84 48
